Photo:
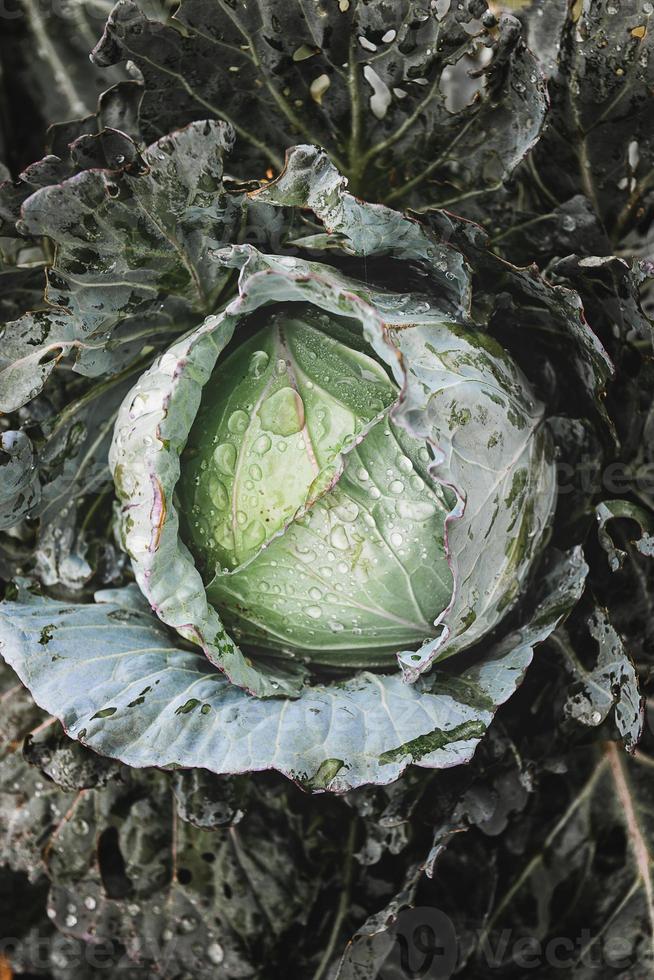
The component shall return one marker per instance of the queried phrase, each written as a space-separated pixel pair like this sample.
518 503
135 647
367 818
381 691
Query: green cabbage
304 503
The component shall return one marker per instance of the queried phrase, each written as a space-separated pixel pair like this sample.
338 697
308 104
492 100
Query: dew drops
254 535
283 412
225 537
138 406
362 474
262 445
258 363
339 539
187 924
347 511
215 954
218 493
416 510
315 612
256 472
225 457
315 593
396 486
323 423
238 422
396 539
375 493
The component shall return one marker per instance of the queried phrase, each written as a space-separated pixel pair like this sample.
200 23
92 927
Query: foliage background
547 834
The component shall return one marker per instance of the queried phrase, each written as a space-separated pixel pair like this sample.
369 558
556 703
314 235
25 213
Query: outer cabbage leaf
119 684
124 245
106 140
530 314
151 430
377 84
600 141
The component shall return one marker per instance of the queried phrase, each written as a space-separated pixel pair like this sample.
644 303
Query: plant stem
342 905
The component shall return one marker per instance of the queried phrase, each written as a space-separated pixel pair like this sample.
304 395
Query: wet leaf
384 88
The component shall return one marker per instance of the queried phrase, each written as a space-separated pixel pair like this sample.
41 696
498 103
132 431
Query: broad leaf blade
118 682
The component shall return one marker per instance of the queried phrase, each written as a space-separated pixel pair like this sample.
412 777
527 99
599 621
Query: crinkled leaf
67 763
600 141
607 511
204 900
526 309
610 287
72 459
310 180
571 229
19 489
207 801
125 244
123 867
87 145
128 692
371 83
611 684
544 22
379 943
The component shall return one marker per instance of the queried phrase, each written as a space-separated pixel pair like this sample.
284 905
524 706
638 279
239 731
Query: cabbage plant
325 487
335 481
